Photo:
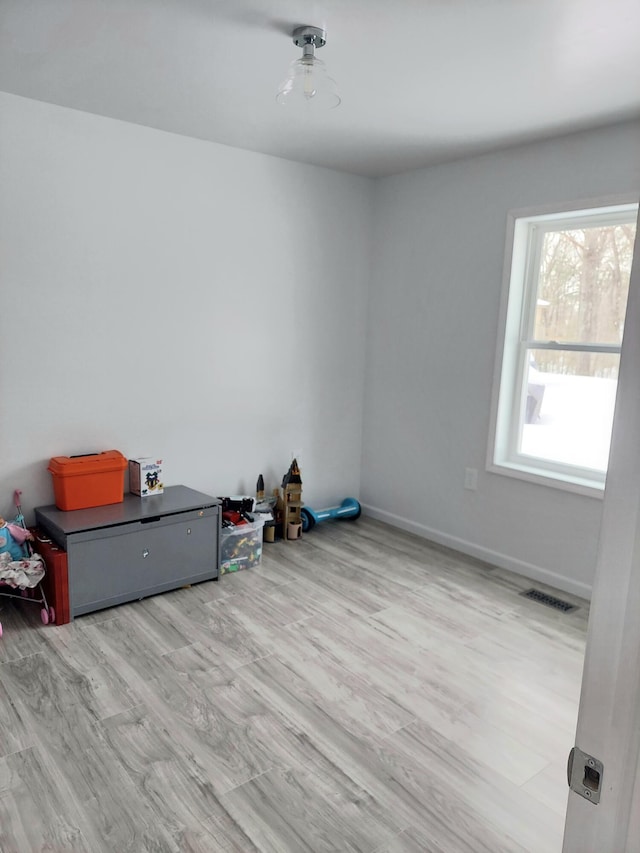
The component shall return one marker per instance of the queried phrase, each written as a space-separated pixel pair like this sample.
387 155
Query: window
563 319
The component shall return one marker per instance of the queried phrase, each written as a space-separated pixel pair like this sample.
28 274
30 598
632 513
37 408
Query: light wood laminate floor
360 691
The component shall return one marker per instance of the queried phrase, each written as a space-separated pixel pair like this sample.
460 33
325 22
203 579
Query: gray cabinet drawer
139 547
122 563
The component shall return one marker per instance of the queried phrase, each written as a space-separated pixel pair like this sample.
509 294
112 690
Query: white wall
171 296
163 295
438 254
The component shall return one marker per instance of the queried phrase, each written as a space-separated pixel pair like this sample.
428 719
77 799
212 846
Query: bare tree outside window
581 299
582 295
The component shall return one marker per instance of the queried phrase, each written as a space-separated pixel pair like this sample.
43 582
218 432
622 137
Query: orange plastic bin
80 482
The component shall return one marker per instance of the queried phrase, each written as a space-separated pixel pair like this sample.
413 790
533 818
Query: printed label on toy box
233 565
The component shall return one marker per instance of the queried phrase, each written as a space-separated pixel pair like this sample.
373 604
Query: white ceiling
421 81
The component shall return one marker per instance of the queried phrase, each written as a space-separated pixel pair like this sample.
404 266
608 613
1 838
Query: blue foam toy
348 509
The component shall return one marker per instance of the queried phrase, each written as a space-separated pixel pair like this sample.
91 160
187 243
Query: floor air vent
549 600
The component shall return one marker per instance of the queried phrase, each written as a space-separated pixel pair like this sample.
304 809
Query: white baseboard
495 558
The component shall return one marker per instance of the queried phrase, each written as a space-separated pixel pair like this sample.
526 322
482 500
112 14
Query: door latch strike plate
584 775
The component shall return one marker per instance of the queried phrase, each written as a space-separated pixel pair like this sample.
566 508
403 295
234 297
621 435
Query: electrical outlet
471 479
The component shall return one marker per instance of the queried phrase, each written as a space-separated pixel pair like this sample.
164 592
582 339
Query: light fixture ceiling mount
307 84
309 36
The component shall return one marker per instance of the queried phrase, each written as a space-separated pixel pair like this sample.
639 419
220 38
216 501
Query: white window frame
525 232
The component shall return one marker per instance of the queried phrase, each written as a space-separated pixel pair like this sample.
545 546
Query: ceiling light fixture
307 81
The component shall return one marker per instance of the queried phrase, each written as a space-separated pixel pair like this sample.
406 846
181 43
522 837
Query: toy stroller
20 568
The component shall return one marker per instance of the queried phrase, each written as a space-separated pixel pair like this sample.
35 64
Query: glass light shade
308 83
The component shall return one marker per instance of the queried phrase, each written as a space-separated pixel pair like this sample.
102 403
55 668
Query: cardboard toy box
94 479
145 476
241 547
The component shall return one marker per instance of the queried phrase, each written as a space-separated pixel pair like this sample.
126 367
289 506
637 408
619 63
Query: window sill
551 479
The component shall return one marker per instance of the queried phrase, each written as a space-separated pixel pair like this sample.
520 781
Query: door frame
608 726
